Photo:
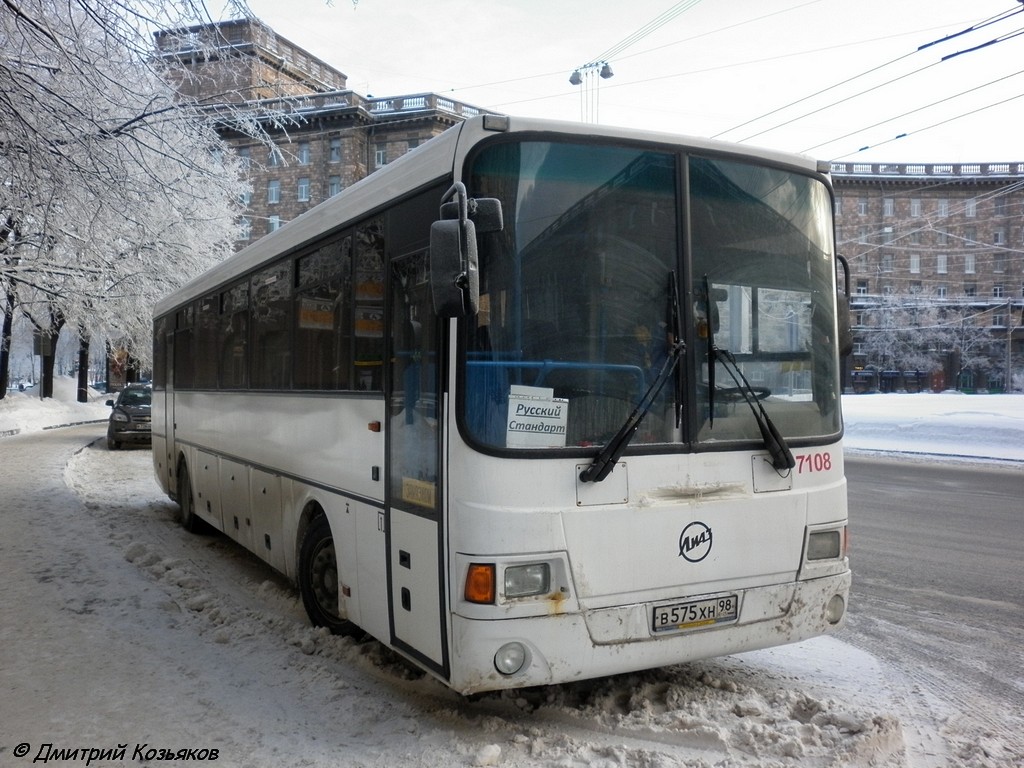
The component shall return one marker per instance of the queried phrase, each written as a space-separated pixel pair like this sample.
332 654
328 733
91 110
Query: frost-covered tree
912 331
113 191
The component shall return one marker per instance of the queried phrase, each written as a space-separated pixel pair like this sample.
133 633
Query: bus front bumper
569 647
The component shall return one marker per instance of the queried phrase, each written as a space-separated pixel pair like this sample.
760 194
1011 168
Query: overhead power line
980 25
651 26
913 111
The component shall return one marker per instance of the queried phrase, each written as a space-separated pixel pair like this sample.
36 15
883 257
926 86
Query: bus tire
187 516
318 578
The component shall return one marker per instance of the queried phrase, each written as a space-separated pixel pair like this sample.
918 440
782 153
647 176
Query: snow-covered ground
950 424
185 642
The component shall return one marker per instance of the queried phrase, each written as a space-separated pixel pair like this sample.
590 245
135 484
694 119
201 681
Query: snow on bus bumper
574 646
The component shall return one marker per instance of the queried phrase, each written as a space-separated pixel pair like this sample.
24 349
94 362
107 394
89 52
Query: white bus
535 403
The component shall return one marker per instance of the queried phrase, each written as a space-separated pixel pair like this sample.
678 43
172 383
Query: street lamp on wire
589 77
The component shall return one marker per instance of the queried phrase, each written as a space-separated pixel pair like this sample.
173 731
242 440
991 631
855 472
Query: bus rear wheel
318 579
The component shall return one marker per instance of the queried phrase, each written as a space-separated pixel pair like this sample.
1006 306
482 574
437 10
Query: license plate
695 614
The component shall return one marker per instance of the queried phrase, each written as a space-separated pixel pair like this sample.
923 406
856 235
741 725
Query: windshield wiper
710 338
605 461
782 457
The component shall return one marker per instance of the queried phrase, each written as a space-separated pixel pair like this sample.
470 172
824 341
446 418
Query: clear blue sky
826 77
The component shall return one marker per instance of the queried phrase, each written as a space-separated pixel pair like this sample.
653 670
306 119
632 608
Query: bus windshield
580 299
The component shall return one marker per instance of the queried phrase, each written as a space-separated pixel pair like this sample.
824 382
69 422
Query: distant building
937 270
326 137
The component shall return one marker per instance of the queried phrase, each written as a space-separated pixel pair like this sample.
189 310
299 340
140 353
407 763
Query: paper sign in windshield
536 418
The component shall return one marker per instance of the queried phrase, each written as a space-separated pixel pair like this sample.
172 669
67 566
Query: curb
18 431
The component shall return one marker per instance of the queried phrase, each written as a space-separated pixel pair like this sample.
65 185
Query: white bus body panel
626 557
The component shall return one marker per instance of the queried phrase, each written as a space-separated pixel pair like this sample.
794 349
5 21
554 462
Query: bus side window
323 311
369 306
234 337
271 320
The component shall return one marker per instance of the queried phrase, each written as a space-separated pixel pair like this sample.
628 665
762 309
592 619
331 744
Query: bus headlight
510 658
527 580
824 545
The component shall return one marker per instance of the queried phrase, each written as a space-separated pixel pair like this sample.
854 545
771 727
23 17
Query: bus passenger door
414 530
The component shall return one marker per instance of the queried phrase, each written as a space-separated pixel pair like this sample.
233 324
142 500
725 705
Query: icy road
119 630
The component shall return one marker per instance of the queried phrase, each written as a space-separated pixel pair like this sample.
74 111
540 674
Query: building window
862 287
887 262
971 208
335 155
274 191
971 236
915 207
274 158
244 160
970 289
245 198
969 263
837 207
941 290
942 263
862 206
915 263
863 235
245 228
380 156
999 237
302 191
303 153
888 206
998 292
333 185
273 223
943 208
941 238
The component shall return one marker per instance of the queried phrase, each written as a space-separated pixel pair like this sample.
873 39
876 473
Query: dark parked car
130 420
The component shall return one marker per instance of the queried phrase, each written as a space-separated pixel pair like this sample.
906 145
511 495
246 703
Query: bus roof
429 163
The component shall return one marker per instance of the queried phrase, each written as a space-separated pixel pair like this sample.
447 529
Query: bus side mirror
454 275
454 263
843 322
843 310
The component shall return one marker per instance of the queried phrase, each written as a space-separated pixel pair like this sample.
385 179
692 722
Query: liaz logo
695 542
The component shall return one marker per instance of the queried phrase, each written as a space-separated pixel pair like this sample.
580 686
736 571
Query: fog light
510 658
835 609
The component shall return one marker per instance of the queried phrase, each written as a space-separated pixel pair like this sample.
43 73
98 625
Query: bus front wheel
318 579
187 516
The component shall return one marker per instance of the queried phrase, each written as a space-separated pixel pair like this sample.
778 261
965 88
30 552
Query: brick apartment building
326 136
938 249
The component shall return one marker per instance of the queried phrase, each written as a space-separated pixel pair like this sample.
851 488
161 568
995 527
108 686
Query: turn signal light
480 583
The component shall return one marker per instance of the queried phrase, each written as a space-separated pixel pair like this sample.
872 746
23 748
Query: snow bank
26 412
945 424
